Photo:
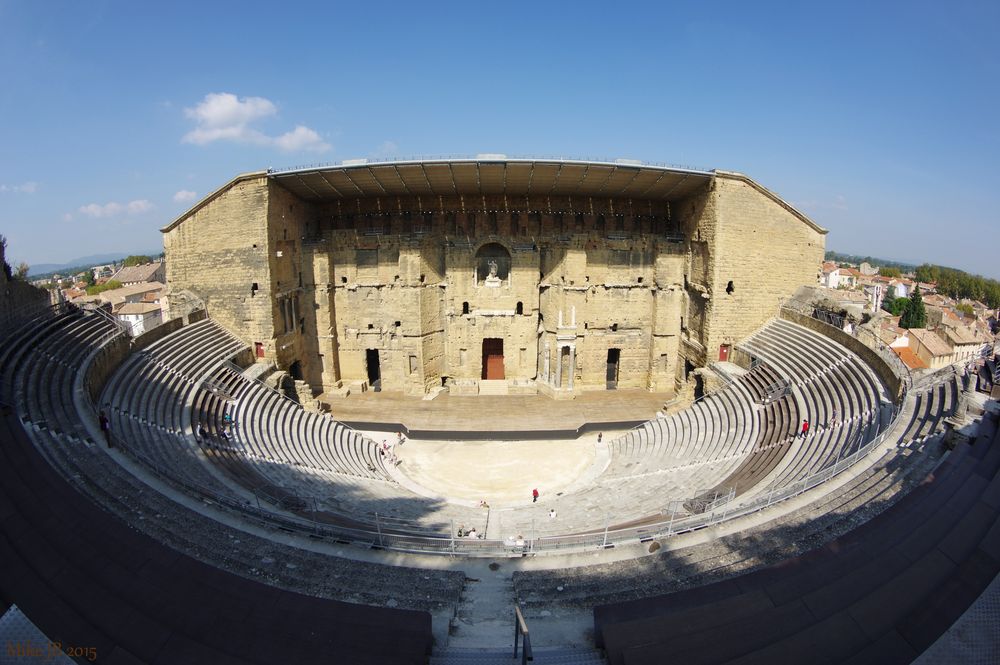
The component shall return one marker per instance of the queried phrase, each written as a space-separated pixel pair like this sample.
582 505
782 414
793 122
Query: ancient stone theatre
489 274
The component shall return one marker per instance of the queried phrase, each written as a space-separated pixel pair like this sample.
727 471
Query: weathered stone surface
578 282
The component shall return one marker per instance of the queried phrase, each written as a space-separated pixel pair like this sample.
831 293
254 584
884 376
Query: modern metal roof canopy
491 174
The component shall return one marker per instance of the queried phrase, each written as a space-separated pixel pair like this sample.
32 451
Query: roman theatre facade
489 274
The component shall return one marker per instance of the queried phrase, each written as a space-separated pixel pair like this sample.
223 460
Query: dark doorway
612 375
492 358
699 386
374 371
295 370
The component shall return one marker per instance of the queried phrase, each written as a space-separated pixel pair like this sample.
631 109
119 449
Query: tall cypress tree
915 315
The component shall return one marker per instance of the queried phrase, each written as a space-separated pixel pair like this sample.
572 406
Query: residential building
148 272
930 348
140 317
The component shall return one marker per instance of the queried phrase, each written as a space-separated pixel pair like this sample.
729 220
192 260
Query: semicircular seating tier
87 577
734 442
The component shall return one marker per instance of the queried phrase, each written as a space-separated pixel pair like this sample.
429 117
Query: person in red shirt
805 429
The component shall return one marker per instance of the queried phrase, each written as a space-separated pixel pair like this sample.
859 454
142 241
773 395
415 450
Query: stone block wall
403 277
220 252
762 251
18 299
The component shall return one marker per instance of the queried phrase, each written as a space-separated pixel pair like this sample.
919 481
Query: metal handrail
405 537
521 631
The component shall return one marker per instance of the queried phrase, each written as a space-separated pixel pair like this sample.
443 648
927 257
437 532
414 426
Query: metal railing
408 536
863 335
488 158
521 631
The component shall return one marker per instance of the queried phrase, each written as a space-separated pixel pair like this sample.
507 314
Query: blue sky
878 120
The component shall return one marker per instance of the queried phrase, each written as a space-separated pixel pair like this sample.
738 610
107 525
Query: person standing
105 428
534 495
805 429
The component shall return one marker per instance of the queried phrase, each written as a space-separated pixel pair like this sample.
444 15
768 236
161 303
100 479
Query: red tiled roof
909 358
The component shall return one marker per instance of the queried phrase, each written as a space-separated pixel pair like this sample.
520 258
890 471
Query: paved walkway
504 413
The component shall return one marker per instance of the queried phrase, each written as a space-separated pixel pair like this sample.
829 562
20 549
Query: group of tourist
225 430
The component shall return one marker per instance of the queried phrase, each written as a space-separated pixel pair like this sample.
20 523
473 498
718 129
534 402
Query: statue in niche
492 280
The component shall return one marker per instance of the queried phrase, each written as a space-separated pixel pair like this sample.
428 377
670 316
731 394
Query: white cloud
97 210
185 195
386 149
222 116
140 206
113 208
24 188
299 139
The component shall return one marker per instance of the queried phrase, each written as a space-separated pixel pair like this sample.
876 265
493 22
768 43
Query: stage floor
492 413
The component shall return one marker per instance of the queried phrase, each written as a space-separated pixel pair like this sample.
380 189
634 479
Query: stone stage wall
575 282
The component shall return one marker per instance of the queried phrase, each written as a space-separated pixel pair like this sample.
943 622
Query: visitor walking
105 428
805 429
534 496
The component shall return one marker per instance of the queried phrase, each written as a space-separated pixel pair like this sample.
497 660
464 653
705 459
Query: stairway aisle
482 632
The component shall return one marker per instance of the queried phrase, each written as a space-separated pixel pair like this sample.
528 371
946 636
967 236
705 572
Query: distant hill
853 258
82 262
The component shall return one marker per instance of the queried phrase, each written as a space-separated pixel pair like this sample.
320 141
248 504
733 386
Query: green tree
895 306
965 308
101 288
890 271
915 315
136 260
88 277
927 273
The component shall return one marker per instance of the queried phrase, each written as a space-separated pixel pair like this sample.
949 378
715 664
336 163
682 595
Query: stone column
558 385
572 364
545 373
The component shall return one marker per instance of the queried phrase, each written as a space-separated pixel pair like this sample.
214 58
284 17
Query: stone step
493 387
542 656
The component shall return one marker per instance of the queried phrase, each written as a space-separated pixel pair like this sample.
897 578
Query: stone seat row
824 517
56 349
840 396
144 399
881 592
722 424
172 457
273 426
309 463
934 403
84 577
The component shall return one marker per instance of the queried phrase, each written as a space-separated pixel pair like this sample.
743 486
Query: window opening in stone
465 308
520 308
730 288
614 327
